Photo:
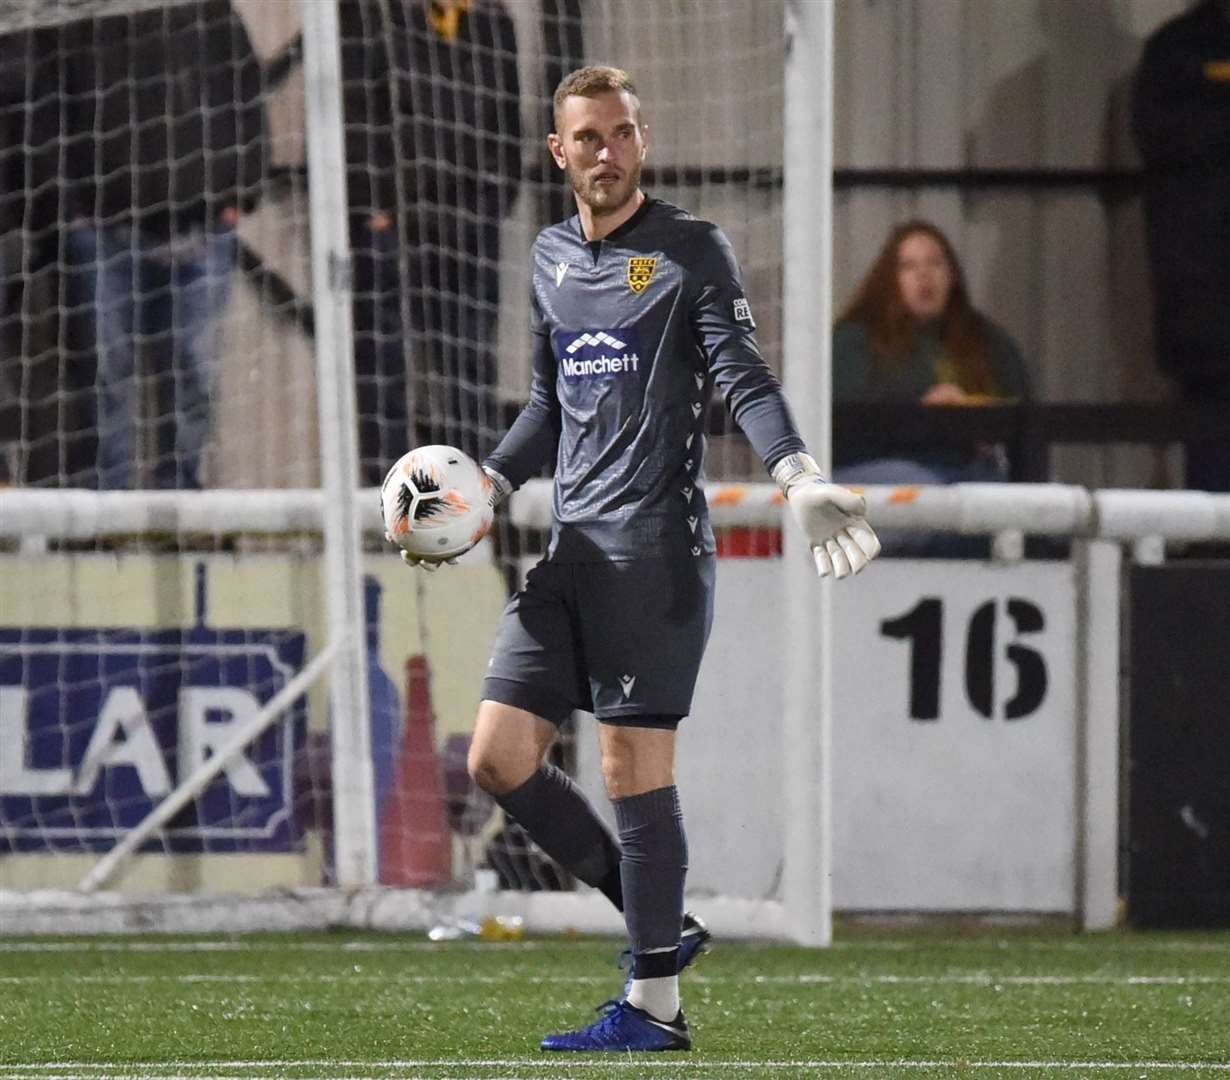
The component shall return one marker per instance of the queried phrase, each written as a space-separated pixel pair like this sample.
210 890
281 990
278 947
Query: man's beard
604 200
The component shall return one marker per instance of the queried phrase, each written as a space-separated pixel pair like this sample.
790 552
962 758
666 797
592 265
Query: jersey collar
623 229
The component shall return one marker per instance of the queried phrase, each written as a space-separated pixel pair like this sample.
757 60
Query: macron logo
626 683
598 339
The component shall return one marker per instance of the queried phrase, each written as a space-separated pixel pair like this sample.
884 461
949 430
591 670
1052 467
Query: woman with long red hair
910 334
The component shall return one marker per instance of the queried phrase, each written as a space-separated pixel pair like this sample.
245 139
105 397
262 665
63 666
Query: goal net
214 339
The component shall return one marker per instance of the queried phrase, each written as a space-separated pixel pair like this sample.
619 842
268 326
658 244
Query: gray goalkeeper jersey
631 334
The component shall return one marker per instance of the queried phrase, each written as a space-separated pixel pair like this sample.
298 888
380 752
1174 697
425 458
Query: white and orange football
436 503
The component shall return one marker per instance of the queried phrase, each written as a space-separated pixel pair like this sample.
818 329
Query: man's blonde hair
590 82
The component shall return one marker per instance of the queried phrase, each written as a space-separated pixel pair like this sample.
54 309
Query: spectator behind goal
166 149
1181 118
41 427
910 334
431 100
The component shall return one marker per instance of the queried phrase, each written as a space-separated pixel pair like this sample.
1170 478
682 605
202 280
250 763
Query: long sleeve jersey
631 335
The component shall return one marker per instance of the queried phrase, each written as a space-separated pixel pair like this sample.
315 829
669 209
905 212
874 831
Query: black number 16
923 627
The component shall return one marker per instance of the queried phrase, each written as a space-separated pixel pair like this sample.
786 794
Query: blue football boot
693 941
626 1029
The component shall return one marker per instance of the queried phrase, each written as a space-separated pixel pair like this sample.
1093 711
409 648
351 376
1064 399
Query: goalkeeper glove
830 516
430 565
499 488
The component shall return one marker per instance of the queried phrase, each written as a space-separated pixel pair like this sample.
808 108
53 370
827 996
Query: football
436 503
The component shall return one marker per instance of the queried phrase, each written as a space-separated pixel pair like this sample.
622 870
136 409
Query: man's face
600 147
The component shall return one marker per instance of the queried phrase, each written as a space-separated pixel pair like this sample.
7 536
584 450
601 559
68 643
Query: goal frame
807 258
350 729
341 513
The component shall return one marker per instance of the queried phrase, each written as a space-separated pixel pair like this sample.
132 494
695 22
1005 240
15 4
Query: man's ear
556 145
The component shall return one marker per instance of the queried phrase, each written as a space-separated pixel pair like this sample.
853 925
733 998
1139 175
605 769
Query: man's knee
616 770
497 773
636 759
507 748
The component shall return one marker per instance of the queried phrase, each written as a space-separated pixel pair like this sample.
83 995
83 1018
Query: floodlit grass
880 1004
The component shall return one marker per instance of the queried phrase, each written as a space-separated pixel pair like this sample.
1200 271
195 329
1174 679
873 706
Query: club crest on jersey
640 272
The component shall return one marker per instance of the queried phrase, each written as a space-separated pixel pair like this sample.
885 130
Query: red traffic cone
416 845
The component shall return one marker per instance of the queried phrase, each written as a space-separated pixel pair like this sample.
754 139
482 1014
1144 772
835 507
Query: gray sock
551 808
655 862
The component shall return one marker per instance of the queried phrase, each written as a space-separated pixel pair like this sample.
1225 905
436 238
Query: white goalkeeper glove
830 516
501 486
430 565
499 489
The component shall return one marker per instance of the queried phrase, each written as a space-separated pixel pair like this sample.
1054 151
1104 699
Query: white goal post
807 259
350 730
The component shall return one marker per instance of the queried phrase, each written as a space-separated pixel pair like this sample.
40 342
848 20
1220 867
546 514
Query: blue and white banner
97 726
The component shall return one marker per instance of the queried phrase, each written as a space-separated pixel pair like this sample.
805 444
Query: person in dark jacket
1181 119
911 334
431 101
43 422
167 148
30 142
17 73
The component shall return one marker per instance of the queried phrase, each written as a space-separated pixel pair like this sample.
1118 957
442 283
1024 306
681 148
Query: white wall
960 812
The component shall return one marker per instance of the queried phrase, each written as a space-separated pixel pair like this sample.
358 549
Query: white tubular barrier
1037 509
1170 515
1050 509
86 515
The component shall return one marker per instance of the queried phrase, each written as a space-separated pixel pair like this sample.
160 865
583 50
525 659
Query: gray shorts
622 640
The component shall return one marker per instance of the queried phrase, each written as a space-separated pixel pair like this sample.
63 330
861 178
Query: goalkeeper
638 312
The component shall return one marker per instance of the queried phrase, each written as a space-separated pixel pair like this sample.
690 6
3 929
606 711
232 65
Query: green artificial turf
880 1004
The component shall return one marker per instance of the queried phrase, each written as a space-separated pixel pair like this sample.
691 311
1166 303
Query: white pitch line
922 945
985 978
262 946
251 1070
1075 943
979 978
309 977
